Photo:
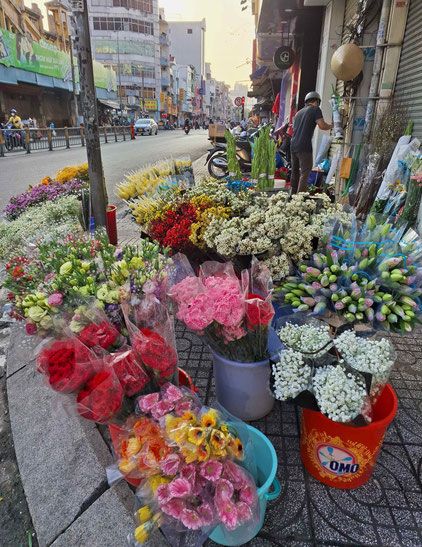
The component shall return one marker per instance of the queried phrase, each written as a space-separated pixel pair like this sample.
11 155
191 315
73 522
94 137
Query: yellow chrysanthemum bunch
204 218
145 181
80 172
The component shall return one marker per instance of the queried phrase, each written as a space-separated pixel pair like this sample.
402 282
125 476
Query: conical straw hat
347 62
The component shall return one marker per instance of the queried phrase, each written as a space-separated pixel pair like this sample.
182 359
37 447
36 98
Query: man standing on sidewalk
301 145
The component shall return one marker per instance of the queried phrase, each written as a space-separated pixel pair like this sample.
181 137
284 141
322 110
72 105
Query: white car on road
146 126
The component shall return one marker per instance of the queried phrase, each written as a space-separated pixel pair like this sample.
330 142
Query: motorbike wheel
216 171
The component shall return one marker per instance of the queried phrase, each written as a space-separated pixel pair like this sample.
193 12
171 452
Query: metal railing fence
15 141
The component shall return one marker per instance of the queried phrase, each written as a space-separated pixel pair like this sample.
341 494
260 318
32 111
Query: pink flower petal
172 394
211 470
224 489
170 465
180 488
163 493
227 512
206 513
147 402
174 508
244 512
191 519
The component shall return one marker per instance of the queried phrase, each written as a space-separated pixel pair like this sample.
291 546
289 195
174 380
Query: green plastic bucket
266 463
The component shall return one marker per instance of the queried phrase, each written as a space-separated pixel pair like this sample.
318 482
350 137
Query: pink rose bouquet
232 314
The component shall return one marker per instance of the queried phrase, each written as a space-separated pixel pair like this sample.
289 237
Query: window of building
123 23
189 31
141 5
106 47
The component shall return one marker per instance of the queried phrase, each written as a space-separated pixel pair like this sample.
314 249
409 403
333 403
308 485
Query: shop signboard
181 94
150 104
42 57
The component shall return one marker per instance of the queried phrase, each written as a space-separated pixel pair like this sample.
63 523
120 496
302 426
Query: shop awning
258 73
110 104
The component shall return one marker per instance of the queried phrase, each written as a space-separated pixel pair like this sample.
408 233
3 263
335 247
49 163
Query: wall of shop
409 80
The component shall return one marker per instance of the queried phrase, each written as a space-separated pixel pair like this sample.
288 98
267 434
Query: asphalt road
19 171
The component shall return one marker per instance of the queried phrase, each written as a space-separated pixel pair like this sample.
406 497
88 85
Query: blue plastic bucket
243 388
266 463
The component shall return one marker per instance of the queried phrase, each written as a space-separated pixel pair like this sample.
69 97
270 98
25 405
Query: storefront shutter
409 79
350 13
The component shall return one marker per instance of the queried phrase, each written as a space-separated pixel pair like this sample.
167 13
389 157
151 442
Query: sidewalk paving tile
61 472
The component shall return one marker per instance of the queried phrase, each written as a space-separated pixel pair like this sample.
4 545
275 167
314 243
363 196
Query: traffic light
243 100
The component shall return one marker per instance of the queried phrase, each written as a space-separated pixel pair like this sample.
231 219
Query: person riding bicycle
15 120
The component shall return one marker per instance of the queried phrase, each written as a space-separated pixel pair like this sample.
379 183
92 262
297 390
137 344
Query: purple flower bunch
40 194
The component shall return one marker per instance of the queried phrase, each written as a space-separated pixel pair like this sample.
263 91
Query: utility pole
89 110
72 66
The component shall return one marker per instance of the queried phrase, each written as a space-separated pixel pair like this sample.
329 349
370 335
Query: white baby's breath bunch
307 338
339 394
291 375
365 355
278 265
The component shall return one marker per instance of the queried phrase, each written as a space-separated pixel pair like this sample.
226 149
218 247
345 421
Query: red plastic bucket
343 456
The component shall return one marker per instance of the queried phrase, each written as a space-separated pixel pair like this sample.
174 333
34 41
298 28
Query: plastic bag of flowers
305 334
375 356
91 384
153 340
322 384
339 234
232 317
93 328
191 464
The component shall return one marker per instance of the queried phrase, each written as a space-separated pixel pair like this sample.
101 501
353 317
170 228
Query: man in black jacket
304 124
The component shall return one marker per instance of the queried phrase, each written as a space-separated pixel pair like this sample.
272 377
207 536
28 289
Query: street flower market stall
105 319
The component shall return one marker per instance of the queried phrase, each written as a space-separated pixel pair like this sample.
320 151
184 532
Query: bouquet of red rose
65 364
151 331
234 315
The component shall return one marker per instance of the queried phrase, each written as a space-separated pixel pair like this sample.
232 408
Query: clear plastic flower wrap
322 384
305 334
153 340
338 235
374 356
66 364
233 318
194 467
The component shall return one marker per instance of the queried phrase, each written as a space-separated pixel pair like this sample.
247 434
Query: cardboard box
216 130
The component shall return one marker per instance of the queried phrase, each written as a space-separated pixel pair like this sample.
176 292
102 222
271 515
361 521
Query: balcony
164 61
165 82
164 40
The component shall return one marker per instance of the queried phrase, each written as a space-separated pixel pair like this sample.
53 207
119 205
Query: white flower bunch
307 338
373 356
279 266
297 240
339 394
291 375
52 218
254 245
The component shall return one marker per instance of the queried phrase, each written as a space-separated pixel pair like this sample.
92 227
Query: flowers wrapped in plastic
189 464
151 331
372 356
373 277
233 315
326 385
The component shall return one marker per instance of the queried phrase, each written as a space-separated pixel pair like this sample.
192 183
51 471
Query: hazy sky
229 34
228 38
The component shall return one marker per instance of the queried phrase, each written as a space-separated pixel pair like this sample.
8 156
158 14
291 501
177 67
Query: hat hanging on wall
347 62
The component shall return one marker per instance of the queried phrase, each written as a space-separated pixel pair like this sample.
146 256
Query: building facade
126 37
35 65
188 43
